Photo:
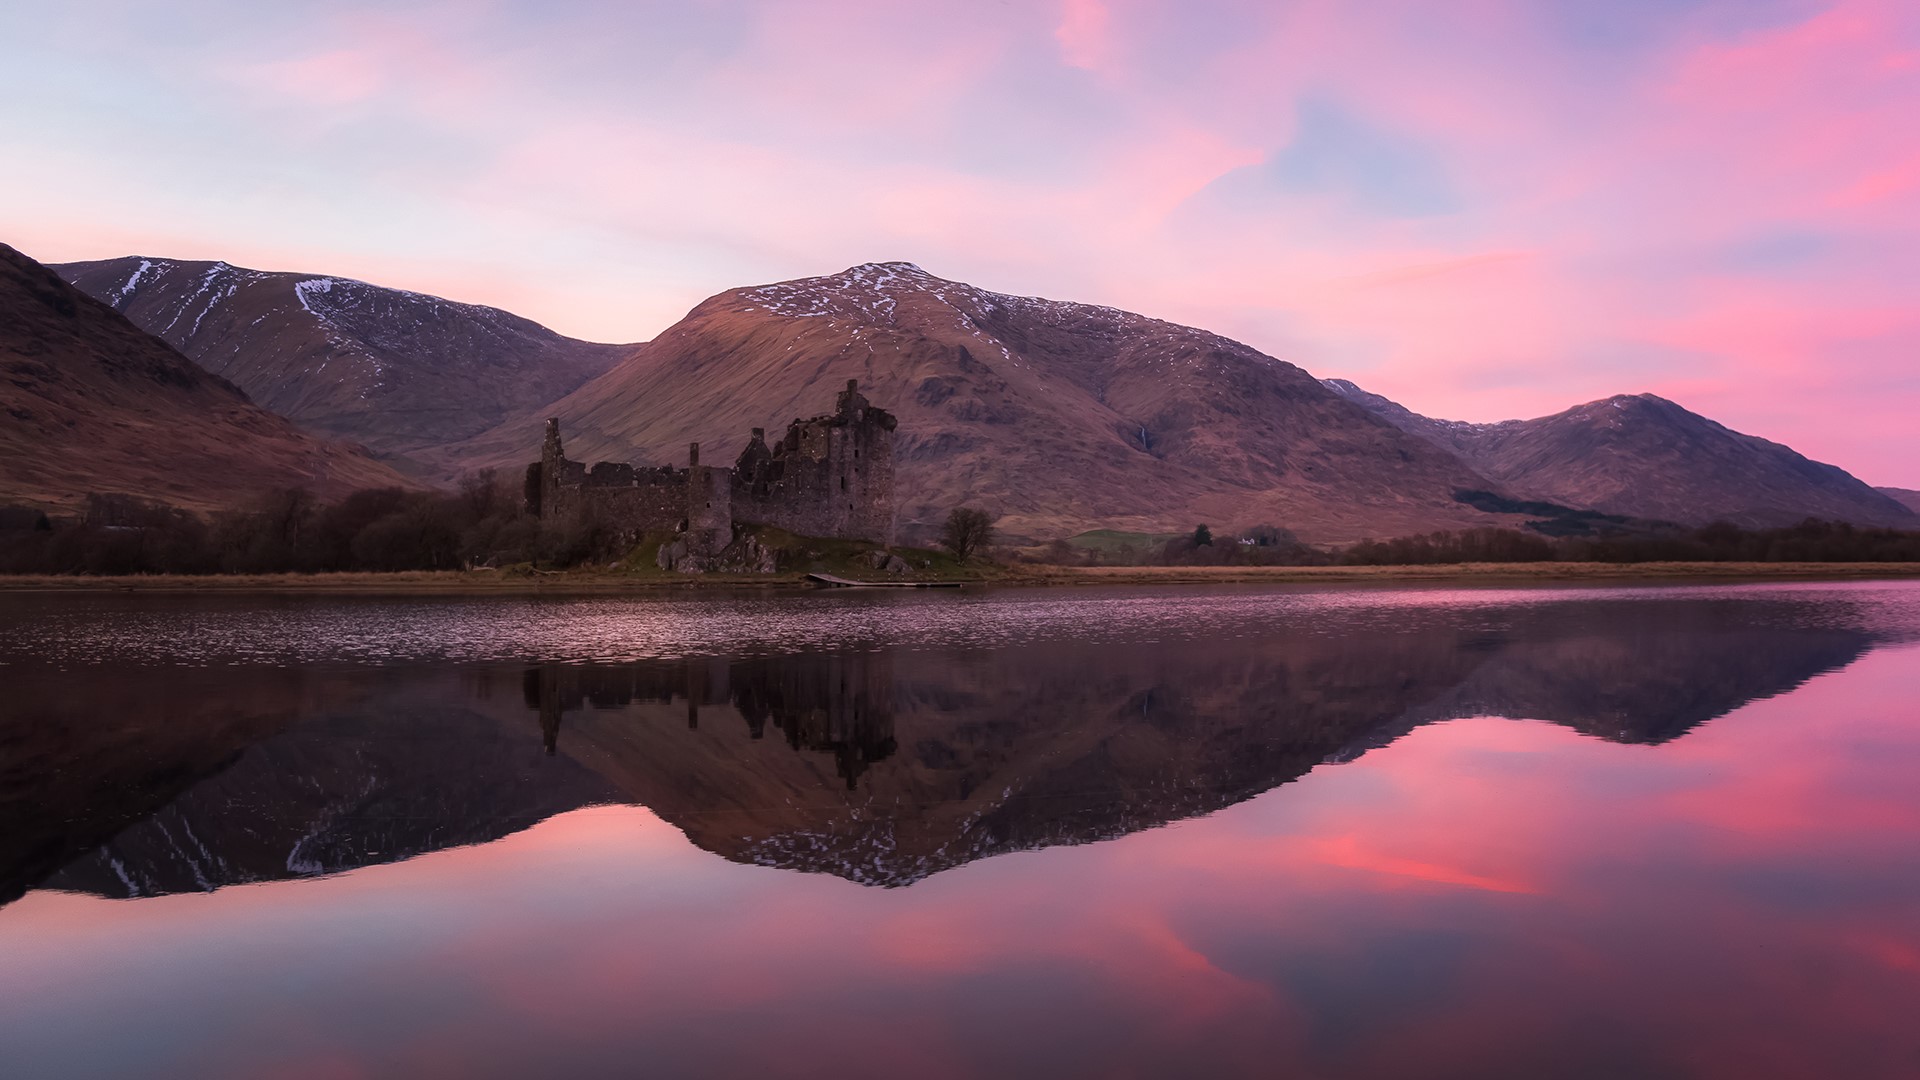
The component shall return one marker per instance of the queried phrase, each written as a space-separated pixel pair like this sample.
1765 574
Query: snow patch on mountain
872 293
133 281
306 291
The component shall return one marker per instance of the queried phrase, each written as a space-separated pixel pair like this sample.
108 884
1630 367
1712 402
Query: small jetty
829 581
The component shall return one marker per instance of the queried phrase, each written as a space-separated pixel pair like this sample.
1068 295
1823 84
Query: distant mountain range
1644 456
1060 417
1906 497
89 403
397 371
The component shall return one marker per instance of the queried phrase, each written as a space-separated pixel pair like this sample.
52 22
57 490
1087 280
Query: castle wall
631 498
831 476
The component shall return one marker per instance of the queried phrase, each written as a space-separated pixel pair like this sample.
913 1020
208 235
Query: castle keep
829 476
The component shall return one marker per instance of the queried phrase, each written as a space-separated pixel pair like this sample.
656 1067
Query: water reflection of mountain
880 767
332 772
84 753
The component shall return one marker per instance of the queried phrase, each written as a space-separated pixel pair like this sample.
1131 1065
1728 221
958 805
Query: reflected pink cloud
1540 865
1347 852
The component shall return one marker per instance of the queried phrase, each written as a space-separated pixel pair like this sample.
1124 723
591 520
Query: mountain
1644 456
90 403
393 370
1060 417
1906 497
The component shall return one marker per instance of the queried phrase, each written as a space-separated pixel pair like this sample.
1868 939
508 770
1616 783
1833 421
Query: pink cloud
1082 33
514 162
326 79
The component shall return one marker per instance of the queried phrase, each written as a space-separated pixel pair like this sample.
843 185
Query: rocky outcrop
745 555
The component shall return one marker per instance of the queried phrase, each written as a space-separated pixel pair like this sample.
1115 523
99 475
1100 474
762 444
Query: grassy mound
797 556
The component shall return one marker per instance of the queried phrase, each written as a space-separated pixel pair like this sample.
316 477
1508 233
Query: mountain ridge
93 404
392 369
1906 497
1058 416
1645 456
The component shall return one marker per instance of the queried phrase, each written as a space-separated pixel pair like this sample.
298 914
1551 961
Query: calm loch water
1228 832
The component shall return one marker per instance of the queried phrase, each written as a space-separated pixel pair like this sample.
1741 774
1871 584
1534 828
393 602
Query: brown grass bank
1678 573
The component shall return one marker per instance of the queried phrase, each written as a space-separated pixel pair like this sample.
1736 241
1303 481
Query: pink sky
1484 209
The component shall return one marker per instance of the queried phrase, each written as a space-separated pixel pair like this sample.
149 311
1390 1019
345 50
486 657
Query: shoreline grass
1467 573
601 580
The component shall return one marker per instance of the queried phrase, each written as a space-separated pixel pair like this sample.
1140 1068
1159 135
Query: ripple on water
75 629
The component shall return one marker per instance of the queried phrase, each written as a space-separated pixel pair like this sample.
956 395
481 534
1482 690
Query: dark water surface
1201 832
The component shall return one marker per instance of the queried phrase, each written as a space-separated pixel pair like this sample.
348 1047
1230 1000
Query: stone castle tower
829 476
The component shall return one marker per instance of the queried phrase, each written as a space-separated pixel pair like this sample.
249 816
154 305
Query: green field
1110 541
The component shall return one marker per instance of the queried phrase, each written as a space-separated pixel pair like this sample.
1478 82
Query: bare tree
968 530
483 493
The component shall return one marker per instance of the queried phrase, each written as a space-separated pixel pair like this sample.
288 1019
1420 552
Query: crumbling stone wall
829 476
635 499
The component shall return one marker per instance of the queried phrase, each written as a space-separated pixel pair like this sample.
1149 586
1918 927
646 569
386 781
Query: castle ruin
831 476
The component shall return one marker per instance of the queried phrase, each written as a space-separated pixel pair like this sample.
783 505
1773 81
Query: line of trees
483 523
1263 545
1812 540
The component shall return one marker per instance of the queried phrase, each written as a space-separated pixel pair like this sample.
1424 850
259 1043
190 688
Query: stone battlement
829 476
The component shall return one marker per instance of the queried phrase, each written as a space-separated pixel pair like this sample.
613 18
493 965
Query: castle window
843 483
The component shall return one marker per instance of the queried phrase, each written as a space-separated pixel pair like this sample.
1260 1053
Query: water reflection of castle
839 705
260 774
